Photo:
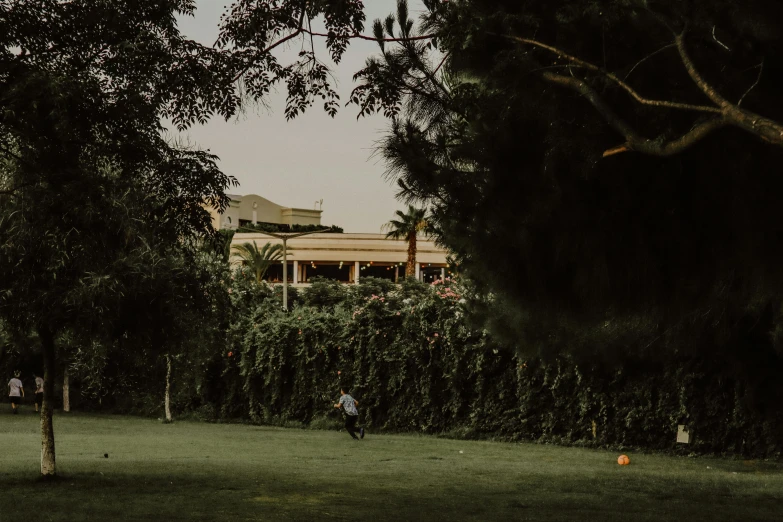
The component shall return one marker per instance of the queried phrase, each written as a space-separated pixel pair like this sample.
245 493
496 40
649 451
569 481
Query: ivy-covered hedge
414 364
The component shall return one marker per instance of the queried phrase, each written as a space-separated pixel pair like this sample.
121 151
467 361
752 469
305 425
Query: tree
407 227
83 86
509 132
746 41
93 199
258 260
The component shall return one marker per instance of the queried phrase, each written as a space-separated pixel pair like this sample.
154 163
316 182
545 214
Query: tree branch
647 58
633 140
301 30
357 36
758 79
729 114
700 82
611 76
765 128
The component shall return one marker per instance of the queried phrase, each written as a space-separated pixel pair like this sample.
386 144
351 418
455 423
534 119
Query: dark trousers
350 425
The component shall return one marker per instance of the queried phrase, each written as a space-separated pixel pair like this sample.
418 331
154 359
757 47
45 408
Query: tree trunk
410 268
168 388
47 427
66 391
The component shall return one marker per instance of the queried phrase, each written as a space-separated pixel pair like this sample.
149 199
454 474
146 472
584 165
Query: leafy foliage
411 358
414 365
101 217
280 227
252 29
407 227
572 251
258 260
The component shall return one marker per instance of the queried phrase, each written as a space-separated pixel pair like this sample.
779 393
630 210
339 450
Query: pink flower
398 313
436 334
229 290
230 354
339 372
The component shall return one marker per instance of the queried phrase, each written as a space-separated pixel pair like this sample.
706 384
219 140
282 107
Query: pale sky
312 157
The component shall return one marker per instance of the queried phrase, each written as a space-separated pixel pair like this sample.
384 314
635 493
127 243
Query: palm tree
406 227
259 260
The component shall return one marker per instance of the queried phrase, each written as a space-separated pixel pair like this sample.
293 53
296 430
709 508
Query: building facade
349 257
340 256
253 209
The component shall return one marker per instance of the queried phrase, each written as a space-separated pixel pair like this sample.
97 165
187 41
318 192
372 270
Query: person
349 404
39 385
15 392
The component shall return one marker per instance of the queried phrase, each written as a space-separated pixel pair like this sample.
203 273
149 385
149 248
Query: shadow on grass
241 493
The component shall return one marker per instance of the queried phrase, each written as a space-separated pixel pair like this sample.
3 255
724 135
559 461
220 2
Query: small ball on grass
623 460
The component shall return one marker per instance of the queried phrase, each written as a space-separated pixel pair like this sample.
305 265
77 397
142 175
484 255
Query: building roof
350 247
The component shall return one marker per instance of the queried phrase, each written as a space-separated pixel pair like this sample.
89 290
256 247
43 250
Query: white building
348 257
344 257
253 209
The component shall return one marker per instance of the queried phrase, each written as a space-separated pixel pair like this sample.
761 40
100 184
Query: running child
15 392
349 404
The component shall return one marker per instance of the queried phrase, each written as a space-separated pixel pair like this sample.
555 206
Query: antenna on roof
317 204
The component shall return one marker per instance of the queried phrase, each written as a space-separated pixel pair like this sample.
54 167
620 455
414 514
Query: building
349 257
343 257
253 209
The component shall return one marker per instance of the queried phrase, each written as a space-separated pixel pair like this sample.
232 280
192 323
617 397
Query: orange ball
623 460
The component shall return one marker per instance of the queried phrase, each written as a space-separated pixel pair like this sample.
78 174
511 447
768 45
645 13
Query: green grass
194 471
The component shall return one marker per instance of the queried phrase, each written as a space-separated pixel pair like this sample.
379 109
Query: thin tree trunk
410 268
66 391
168 388
47 426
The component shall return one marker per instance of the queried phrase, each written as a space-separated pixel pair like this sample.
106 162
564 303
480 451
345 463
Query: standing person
39 384
15 392
349 405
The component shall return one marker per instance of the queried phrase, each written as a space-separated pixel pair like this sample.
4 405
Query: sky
312 157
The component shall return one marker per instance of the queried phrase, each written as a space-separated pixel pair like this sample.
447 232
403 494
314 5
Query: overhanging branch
765 128
614 78
633 140
727 113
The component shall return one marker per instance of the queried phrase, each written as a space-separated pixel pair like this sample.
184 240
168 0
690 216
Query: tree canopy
590 214
407 227
258 260
98 212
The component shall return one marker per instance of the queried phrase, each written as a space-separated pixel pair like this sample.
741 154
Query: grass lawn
194 471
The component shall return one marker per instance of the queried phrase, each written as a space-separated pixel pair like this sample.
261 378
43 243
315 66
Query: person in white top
15 392
349 404
39 385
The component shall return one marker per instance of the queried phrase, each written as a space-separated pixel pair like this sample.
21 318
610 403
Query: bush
414 365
